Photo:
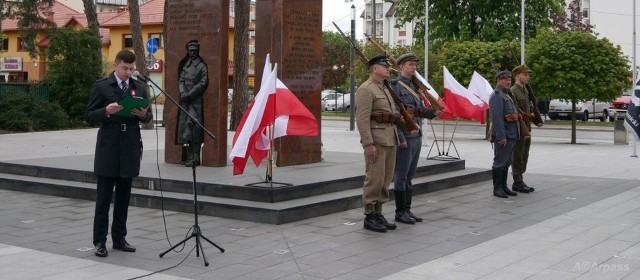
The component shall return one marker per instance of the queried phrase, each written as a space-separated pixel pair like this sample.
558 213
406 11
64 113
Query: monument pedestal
291 32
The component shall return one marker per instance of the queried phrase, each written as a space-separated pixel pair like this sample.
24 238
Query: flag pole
455 127
635 76
435 139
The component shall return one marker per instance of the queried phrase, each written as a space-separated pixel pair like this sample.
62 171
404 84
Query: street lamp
352 90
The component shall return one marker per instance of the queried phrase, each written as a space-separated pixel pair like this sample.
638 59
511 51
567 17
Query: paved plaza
583 222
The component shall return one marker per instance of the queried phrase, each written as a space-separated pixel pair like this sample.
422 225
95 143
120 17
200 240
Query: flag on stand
431 91
480 87
460 101
632 117
274 107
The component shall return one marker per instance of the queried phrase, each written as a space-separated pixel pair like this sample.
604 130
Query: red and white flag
274 106
460 101
480 87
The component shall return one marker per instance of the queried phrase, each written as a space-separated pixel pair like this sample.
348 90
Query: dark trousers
503 156
520 159
406 164
104 194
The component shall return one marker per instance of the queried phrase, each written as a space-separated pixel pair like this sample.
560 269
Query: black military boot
401 208
408 206
381 219
498 189
194 154
371 221
520 187
505 175
527 187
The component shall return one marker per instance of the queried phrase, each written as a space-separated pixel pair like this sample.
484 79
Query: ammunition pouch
511 118
527 117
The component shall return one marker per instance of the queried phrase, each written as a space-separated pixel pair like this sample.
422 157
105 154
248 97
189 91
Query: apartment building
385 22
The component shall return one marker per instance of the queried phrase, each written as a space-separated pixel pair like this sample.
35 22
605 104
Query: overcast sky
340 12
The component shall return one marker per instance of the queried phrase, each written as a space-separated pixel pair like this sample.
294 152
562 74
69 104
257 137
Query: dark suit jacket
118 153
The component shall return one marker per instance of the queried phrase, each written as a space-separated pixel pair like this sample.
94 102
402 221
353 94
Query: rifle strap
410 90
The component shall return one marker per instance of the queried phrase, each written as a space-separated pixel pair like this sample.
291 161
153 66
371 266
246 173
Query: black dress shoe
123 245
101 250
527 187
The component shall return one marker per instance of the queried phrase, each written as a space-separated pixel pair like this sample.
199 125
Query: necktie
123 85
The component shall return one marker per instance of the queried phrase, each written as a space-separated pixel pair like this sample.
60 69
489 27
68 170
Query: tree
73 69
485 20
577 66
335 60
92 19
240 99
136 35
32 18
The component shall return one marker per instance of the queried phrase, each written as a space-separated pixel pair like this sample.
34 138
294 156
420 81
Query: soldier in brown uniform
521 153
376 116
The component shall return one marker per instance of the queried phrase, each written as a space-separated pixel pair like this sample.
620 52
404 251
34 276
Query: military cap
503 74
193 43
407 57
382 59
520 69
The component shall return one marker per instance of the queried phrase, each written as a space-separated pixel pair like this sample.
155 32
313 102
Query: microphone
139 77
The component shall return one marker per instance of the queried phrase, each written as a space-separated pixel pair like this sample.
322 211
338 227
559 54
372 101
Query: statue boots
498 188
193 154
401 208
408 205
380 217
370 220
505 175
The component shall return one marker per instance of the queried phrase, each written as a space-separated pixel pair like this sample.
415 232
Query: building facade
385 22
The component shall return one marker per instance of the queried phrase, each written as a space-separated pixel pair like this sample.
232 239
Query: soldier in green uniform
376 116
521 152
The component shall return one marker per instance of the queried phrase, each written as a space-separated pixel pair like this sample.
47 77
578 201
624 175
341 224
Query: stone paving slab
335 246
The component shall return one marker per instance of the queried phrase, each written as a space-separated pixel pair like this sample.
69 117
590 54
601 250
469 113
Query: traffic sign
152 45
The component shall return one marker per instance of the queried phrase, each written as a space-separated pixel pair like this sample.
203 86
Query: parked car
332 101
618 108
592 109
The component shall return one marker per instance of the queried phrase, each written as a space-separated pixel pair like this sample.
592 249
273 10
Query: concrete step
278 212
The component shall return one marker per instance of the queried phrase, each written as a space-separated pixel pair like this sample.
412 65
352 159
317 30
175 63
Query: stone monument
291 32
207 22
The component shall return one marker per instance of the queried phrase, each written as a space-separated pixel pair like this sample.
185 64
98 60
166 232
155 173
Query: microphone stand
197 233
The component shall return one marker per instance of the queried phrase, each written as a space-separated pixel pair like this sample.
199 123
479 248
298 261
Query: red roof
60 11
151 12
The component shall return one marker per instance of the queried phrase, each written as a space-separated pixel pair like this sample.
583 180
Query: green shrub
27 112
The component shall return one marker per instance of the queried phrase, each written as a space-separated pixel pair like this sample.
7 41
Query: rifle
408 119
416 79
537 117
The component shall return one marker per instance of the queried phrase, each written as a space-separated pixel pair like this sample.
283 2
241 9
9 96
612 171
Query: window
379 13
5 44
252 34
585 13
159 38
22 45
127 41
252 49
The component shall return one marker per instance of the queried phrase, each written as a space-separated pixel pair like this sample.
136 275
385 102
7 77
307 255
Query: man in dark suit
118 150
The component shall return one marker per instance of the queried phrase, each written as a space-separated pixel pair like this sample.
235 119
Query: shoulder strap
410 90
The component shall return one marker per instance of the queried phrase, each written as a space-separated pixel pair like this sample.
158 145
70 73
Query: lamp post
352 82
522 32
426 39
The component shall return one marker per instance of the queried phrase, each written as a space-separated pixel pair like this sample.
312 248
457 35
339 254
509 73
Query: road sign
152 45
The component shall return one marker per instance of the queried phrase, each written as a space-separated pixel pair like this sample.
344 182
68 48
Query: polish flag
460 101
274 107
480 87
431 91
